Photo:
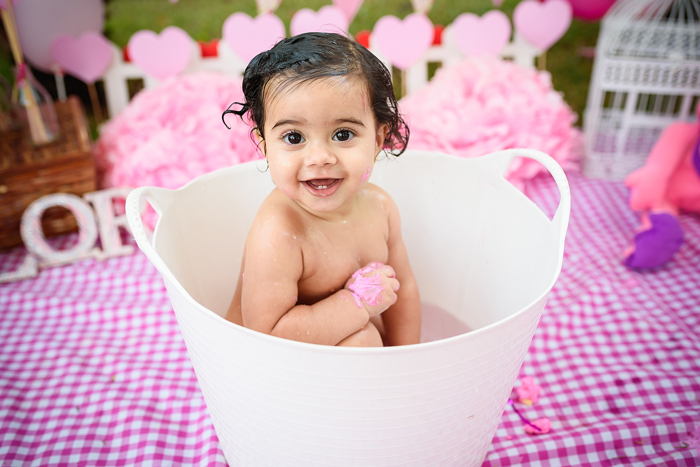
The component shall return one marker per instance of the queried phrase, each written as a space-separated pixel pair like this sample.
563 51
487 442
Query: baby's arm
272 269
402 321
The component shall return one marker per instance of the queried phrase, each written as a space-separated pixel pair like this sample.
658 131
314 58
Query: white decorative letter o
33 235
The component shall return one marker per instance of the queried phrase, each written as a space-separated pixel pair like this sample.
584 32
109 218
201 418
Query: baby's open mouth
322 186
322 183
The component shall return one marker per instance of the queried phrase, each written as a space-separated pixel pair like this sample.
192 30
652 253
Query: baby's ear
382 130
261 140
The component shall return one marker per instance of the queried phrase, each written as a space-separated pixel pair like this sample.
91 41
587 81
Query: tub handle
159 199
503 159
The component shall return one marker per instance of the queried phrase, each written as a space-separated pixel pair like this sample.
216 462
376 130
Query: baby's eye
343 135
292 138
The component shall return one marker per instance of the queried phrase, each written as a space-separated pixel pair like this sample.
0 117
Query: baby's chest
331 257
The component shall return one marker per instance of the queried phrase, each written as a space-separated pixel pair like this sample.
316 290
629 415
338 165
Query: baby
324 258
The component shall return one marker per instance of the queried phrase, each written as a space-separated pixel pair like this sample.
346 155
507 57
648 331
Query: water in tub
438 323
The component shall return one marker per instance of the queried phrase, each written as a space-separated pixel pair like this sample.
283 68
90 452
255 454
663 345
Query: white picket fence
116 80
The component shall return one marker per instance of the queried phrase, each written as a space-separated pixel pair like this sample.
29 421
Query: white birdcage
646 75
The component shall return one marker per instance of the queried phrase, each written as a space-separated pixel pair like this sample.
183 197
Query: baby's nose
319 154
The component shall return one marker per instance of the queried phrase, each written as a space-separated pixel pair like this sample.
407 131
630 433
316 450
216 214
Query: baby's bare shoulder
277 220
379 195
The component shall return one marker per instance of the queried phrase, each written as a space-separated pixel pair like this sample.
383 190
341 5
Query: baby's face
321 140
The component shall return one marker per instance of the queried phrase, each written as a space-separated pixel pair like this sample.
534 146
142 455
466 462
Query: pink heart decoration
249 36
161 56
403 42
86 57
328 19
542 24
482 36
349 7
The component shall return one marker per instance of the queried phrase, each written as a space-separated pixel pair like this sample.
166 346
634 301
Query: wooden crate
28 173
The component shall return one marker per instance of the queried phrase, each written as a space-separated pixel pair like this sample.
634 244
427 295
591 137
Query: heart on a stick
481 36
161 55
249 36
328 19
86 57
349 7
542 24
403 43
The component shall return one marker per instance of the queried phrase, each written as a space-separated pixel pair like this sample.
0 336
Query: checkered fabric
617 352
94 371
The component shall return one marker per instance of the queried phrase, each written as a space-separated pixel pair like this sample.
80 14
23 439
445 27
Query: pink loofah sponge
482 105
173 133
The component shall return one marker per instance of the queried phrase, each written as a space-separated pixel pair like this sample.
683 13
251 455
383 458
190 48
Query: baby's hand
374 287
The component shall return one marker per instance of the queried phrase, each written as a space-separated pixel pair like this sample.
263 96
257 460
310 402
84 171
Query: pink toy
668 183
544 425
528 391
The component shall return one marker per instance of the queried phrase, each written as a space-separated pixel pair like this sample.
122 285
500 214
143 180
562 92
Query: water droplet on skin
307 332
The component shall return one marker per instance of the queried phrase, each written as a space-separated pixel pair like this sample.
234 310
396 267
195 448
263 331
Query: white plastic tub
480 250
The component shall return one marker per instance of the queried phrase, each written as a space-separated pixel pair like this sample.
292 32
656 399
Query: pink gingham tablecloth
94 371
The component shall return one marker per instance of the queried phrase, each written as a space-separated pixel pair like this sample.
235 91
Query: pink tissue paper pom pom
544 424
481 105
173 133
528 391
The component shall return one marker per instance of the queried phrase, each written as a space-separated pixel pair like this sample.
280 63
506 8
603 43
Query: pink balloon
591 10
542 24
87 57
328 19
248 37
39 22
161 56
349 7
403 42
3 4
482 36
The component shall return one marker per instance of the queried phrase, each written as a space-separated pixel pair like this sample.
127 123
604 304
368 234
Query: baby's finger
394 283
389 271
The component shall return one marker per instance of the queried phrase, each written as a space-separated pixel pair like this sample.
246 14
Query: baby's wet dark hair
318 55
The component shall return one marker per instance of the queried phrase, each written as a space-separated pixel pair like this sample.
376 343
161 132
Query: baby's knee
368 336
